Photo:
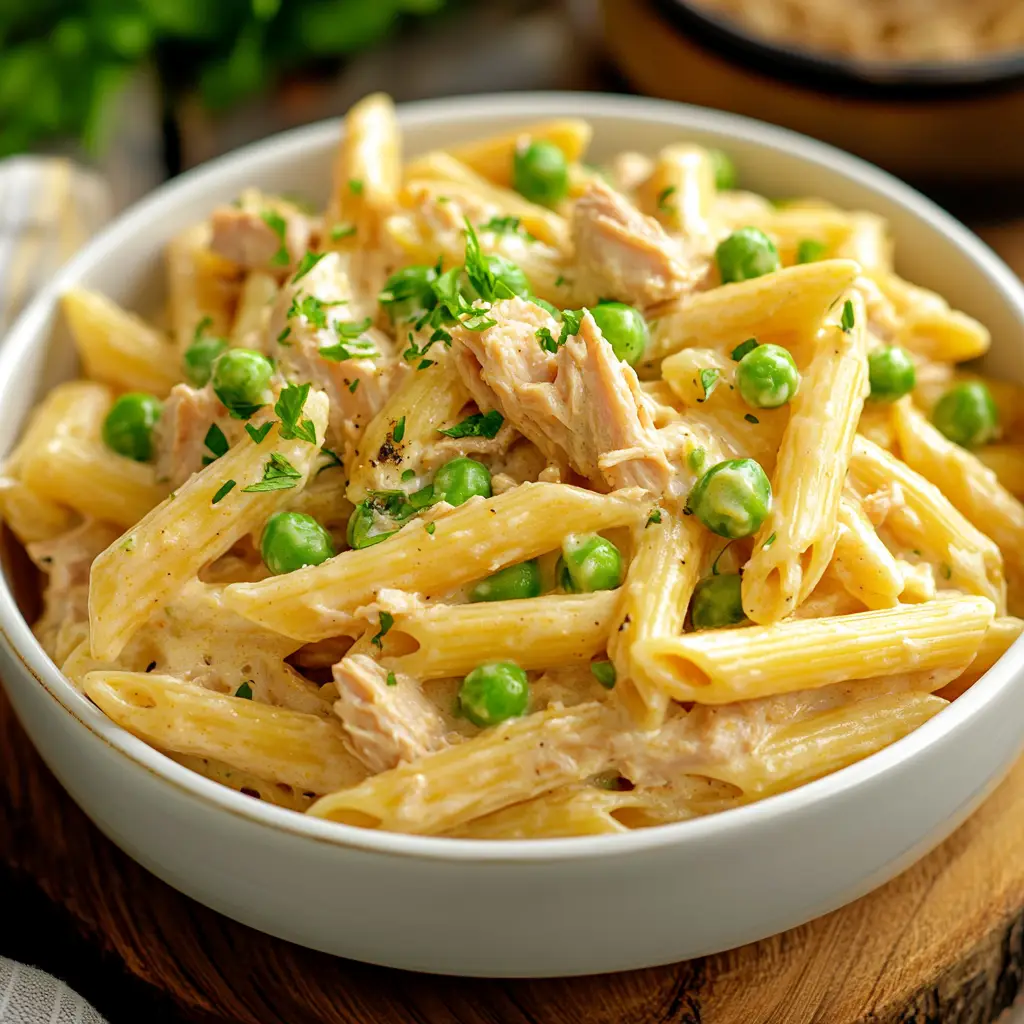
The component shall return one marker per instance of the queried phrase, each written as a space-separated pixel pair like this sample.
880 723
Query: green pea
408 293
510 584
624 328
588 563
199 359
292 540
732 498
891 374
128 427
364 526
724 168
540 172
746 254
767 377
493 692
967 414
461 479
240 378
717 601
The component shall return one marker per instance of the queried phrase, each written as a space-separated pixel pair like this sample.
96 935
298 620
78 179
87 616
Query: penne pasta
862 563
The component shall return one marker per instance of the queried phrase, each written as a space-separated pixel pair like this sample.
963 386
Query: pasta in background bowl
456 550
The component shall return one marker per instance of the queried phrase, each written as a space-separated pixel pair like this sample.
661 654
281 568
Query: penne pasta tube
806 750
1007 462
119 348
536 632
998 639
681 193
655 597
923 519
200 286
718 666
791 301
30 516
255 304
797 539
168 546
470 542
504 765
862 563
867 243
971 486
278 793
299 750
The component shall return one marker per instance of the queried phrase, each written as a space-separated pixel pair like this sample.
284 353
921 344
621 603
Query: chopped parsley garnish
352 387
282 338
289 407
718 558
424 363
392 679
654 517
278 475
488 286
697 459
560 280
415 351
604 673
751 418
279 226
351 344
355 186
244 691
663 199
312 309
340 231
743 348
810 250
258 434
708 381
480 424
333 460
508 226
387 620
306 264
201 328
571 320
216 443
399 432
847 318
430 528
408 474
768 543
223 491
947 571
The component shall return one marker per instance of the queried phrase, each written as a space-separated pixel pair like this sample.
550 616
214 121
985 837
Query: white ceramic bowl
550 907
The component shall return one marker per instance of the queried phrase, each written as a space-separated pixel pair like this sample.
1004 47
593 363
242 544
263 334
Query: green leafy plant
61 61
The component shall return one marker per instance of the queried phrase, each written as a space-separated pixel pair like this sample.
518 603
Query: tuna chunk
181 432
622 254
385 724
581 404
271 237
318 314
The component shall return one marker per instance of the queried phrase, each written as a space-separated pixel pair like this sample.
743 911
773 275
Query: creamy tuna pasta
510 497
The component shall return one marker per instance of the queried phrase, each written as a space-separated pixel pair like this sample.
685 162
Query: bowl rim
31 328
922 80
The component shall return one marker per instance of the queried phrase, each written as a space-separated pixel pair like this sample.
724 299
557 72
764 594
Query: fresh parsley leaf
743 348
333 460
258 433
480 424
352 387
768 543
355 186
289 406
399 432
560 280
351 344
847 318
278 475
340 231
392 679
408 474
225 489
751 418
387 620
424 363
709 381
654 517
430 528
481 277
571 320
604 673
282 338
508 226
312 309
697 459
244 691
306 264
718 558
663 199
810 251
279 226
201 328
216 443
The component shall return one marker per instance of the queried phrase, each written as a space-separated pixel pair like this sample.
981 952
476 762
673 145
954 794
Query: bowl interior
125 262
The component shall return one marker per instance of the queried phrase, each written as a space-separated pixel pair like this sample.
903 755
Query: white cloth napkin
30 996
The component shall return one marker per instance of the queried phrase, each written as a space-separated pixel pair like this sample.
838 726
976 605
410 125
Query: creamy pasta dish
511 497
880 30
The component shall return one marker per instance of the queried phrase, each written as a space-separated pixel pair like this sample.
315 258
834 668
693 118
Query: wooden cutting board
944 942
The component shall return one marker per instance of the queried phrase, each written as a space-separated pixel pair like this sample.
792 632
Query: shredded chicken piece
622 254
181 431
315 313
260 233
385 724
580 403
